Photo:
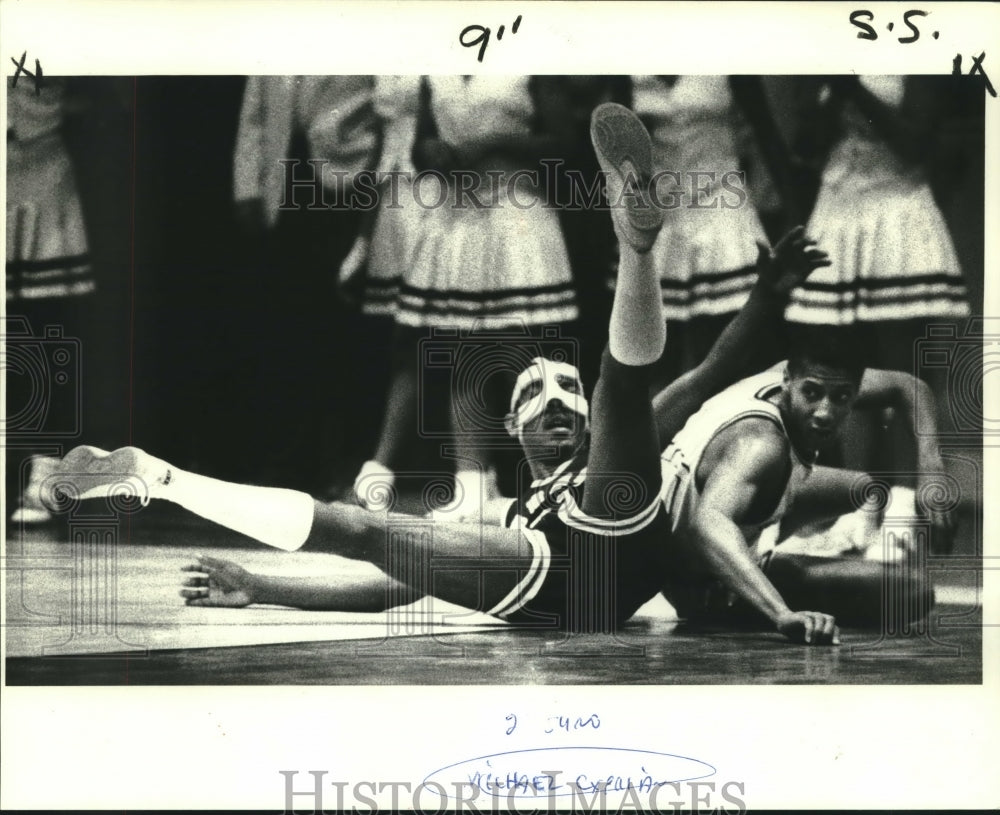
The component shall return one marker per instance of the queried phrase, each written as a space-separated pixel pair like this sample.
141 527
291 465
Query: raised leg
624 447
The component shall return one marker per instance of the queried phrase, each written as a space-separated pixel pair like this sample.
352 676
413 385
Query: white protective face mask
547 372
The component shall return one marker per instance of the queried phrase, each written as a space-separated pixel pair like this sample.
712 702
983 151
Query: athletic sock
279 517
637 332
468 488
374 485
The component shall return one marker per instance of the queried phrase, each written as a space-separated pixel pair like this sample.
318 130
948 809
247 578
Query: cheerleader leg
376 479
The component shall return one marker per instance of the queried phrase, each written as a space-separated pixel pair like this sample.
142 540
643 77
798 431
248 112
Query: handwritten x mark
20 69
977 68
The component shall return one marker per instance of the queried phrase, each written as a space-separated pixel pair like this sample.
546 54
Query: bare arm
884 388
914 401
215 582
736 353
748 468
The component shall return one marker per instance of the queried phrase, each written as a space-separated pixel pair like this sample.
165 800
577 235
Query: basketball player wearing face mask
580 549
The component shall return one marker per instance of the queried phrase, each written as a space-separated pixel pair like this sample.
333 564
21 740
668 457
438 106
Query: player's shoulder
756 443
756 431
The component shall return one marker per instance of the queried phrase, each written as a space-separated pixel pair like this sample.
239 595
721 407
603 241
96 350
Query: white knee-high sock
637 332
278 517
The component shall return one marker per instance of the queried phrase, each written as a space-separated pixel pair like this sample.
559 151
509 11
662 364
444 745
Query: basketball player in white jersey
746 460
569 553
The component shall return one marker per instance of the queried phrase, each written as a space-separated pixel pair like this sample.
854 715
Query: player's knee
619 375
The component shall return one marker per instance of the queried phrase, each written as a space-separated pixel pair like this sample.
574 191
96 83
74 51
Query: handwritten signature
562 771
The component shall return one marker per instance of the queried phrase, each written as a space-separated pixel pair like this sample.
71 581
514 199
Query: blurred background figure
66 274
702 129
381 266
231 349
47 250
895 269
491 257
376 271
894 261
301 142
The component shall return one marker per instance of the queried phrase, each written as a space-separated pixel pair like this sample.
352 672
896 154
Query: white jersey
746 399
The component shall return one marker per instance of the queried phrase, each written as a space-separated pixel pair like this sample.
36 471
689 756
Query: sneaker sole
96 473
618 137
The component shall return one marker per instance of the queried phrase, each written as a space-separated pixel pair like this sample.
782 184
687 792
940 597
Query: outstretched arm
219 583
748 468
913 399
883 388
736 353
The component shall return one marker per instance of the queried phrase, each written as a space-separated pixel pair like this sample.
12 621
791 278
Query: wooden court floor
116 619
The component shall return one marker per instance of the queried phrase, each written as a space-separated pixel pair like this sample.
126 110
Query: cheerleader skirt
490 261
893 258
47 251
707 249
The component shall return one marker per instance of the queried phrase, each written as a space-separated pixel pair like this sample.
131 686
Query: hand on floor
217 583
809 627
